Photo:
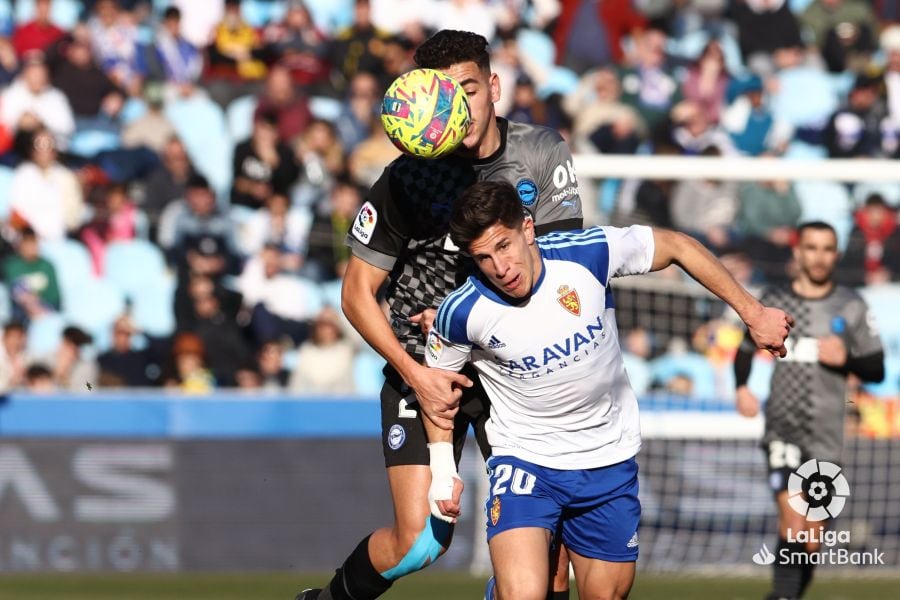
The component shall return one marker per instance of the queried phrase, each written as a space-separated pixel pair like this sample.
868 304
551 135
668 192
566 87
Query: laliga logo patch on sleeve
364 223
435 347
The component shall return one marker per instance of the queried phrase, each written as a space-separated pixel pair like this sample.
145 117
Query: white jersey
551 364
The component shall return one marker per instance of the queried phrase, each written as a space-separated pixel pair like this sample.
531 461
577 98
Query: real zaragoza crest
568 299
495 510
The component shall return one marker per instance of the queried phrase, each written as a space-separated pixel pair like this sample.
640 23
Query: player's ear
494 82
528 229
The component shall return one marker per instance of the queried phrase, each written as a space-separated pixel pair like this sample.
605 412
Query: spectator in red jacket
589 32
39 33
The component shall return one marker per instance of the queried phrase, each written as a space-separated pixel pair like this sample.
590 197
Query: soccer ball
425 113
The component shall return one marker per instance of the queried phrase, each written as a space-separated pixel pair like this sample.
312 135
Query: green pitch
440 586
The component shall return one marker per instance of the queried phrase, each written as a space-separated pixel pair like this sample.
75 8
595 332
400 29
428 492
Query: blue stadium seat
63 13
806 97
560 80
200 123
331 15
134 265
327 109
331 293
93 306
538 46
883 301
72 262
152 308
889 191
258 13
87 143
307 292
638 373
827 201
367 375
6 175
239 115
45 333
6 18
689 364
134 109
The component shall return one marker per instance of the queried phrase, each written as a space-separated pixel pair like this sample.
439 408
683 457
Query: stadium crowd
177 176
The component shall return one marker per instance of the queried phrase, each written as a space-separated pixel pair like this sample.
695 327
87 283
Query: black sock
788 578
357 578
563 595
807 578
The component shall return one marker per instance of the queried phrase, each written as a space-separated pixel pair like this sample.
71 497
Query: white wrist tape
443 474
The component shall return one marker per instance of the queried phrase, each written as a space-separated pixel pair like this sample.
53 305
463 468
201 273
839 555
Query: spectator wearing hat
854 130
31 101
262 164
31 280
39 33
325 361
124 366
189 373
873 248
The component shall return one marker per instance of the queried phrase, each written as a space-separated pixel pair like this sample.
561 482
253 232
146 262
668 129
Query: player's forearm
434 433
869 369
362 310
698 262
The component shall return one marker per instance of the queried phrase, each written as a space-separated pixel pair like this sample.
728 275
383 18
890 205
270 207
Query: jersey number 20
522 481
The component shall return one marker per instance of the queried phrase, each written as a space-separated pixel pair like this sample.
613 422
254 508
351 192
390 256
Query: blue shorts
597 510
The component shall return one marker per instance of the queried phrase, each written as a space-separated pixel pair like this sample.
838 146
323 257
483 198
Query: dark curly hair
450 47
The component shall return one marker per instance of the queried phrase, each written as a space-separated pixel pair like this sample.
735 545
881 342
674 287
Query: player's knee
521 588
416 550
609 593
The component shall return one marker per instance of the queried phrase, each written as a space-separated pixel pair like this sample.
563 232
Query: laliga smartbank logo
818 490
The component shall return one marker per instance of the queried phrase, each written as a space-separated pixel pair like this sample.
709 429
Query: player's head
489 222
816 251
465 56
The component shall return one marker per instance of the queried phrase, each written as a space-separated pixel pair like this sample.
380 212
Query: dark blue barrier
150 414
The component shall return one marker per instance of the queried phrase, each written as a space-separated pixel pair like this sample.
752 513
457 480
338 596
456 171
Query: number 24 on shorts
522 482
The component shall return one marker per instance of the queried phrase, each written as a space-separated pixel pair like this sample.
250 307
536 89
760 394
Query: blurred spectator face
863 98
28 247
247 379
206 306
200 286
271 261
279 86
482 89
200 200
638 342
651 48
35 76
297 17
79 54
107 11
362 13
607 86
712 54
172 24
38 379
319 137
42 11
175 157
877 213
277 204
524 95
270 359
364 86
43 150
122 332
265 132
345 200
816 254
326 328
14 339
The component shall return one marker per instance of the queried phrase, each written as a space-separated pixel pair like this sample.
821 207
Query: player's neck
806 288
491 141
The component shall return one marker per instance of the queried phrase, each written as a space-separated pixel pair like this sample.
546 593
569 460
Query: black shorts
782 459
403 437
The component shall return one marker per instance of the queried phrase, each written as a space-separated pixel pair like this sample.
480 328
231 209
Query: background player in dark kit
401 235
833 336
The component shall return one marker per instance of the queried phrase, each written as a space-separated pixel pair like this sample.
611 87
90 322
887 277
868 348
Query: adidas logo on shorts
633 542
495 343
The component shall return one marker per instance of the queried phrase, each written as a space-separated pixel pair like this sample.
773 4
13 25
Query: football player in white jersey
538 324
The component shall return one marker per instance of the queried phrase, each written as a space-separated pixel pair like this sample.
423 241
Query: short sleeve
378 234
630 250
559 205
864 338
444 354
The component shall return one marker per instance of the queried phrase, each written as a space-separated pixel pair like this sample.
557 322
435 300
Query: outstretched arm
767 326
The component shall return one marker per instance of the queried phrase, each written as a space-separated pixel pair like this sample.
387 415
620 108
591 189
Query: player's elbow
669 246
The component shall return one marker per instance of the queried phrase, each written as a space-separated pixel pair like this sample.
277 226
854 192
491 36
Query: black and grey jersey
806 405
403 227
